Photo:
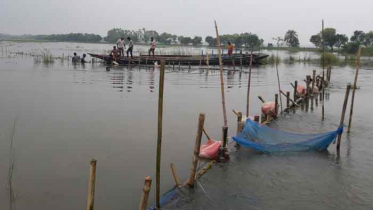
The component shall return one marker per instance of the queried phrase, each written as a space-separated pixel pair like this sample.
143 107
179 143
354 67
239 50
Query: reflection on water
72 113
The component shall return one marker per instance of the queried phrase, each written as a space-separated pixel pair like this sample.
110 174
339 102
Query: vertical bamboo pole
295 90
323 72
353 90
207 61
241 59
225 127
248 86
173 65
146 64
313 81
343 114
288 99
308 81
145 193
189 65
276 104
179 66
239 122
174 174
159 139
197 147
278 81
330 74
92 185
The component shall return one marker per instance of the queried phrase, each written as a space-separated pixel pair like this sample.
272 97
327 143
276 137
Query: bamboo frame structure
248 86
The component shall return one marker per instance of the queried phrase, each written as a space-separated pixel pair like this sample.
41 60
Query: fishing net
268 140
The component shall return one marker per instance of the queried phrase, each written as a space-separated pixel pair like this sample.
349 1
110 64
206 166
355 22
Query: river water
65 115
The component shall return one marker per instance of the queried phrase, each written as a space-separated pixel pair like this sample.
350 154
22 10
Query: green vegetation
239 40
272 60
329 59
72 37
291 38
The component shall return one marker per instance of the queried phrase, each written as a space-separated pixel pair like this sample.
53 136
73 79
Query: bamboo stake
206 134
197 147
248 86
279 86
276 104
294 103
288 99
92 185
353 90
323 72
308 81
313 81
343 114
145 193
159 139
261 99
241 59
225 127
174 174
239 123
295 90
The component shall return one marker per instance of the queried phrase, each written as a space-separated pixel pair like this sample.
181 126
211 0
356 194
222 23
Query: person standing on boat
121 45
152 46
130 47
230 49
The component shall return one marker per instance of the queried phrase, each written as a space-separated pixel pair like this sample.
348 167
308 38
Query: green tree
358 37
369 39
316 40
341 40
197 40
185 40
291 38
114 34
330 38
210 40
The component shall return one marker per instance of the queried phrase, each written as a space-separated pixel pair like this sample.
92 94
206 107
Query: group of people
77 59
121 45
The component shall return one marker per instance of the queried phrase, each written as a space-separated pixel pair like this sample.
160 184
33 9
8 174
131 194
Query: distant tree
316 40
114 34
210 40
341 40
358 37
250 40
330 38
279 40
369 39
185 40
197 40
165 38
291 38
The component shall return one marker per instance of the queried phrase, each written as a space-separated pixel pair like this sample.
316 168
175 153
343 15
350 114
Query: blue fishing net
268 140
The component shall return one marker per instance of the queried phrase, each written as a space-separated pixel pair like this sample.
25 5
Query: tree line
341 41
71 37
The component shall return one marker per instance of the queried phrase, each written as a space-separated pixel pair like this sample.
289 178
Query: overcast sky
267 18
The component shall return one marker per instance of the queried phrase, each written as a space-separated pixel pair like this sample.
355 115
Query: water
68 114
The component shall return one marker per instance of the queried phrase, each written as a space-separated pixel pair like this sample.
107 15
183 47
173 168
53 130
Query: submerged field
67 114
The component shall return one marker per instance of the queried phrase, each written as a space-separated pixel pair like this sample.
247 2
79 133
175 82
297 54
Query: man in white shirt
121 45
130 47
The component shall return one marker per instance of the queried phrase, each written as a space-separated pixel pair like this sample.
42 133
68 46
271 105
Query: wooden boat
234 59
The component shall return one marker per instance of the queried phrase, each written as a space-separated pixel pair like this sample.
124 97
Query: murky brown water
68 114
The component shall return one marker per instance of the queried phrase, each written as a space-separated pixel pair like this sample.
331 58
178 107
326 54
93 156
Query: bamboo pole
279 86
288 99
239 123
293 102
308 81
225 127
92 185
276 104
295 90
174 174
179 66
159 138
145 193
241 59
343 114
323 72
313 81
197 147
353 90
248 86
206 134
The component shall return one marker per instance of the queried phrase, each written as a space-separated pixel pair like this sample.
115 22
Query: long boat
234 59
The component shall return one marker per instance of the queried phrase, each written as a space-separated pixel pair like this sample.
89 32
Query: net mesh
268 140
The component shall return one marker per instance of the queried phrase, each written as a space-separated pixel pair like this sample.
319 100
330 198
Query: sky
266 18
